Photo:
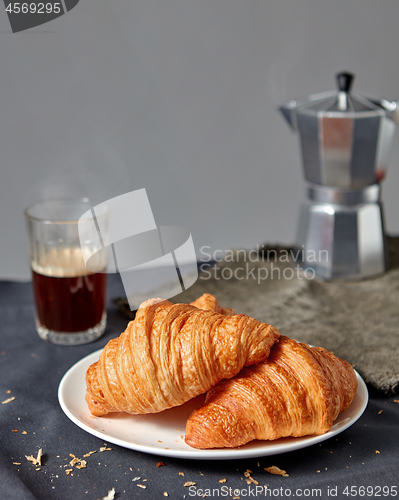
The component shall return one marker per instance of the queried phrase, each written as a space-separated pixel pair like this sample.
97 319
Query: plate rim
213 454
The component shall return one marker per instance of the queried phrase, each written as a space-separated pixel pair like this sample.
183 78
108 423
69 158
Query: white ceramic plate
163 433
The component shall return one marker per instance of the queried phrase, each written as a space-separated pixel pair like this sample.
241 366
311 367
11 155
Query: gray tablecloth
30 371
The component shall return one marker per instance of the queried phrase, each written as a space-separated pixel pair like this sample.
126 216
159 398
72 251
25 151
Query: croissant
298 391
171 353
210 303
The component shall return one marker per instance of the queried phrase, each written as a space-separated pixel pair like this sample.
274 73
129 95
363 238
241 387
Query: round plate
163 433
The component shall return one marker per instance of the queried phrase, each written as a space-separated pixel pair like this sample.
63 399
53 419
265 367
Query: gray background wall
179 97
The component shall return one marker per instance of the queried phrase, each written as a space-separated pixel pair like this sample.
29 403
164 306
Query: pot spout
288 110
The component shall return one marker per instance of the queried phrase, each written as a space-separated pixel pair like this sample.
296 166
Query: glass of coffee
70 300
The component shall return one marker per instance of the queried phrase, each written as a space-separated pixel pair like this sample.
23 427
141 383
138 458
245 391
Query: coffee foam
63 263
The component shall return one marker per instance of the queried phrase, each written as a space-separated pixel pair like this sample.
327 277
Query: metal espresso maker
345 140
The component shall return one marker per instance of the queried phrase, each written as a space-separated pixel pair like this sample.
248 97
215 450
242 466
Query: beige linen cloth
357 321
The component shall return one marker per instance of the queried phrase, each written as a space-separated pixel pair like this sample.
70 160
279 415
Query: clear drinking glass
70 301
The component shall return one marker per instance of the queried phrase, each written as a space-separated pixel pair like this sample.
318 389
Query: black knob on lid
345 81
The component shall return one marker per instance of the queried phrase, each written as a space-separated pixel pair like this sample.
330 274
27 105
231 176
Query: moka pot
345 141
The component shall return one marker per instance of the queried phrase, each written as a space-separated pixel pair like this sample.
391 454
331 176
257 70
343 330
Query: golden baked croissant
171 353
210 303
298 391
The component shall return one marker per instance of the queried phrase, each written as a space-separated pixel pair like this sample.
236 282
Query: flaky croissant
298 391
171 353
209 302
